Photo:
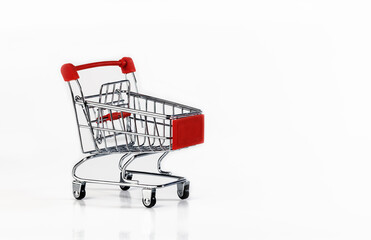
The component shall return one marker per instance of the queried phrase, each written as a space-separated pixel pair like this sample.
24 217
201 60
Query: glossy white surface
285 87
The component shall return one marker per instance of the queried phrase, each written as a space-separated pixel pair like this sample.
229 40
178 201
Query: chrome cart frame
118 120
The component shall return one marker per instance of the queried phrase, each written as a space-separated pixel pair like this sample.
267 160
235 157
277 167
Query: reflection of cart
118 120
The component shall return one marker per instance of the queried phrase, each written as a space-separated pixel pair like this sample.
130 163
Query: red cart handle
69 71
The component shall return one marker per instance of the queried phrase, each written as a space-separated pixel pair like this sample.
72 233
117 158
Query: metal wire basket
119 120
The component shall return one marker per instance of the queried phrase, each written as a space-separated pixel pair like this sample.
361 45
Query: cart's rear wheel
183 190
128 177
78 189
149 197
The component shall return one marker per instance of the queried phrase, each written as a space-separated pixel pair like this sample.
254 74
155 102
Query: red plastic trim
69 71
115 116
129 66
188 131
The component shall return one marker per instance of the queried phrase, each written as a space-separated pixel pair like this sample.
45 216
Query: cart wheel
149 202
183 190
78 189
149 197
128 177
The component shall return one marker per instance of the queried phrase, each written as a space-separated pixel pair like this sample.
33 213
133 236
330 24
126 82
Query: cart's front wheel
183 190
149 202
78 189
128 177
149 197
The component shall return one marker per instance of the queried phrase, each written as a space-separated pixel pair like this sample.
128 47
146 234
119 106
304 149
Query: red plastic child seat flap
115 115
188 131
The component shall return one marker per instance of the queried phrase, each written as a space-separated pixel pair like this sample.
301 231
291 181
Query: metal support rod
131 184
159 164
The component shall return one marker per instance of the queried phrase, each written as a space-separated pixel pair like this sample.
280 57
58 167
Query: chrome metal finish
134 129
126 183
124 132
148 196
122 160
147 192
181 186
123 168
77 187
118 120
122 109
159 164
166 102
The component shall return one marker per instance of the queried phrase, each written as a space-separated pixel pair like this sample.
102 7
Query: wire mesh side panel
114 130
125 131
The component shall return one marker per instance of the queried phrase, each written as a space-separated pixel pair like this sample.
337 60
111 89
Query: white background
285 88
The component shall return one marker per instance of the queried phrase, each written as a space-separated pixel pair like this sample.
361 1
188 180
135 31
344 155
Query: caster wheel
149 198
128 177
78 190
149 202
183 190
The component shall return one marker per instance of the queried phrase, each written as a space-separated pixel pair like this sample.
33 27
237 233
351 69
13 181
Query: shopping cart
117 119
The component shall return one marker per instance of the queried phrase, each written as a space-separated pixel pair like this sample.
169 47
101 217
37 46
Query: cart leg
149 197
159 164
183 190
127 176
78 189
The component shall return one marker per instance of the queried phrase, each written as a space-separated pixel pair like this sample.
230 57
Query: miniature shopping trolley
118 119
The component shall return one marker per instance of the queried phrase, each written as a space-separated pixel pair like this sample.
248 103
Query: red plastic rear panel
188 131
